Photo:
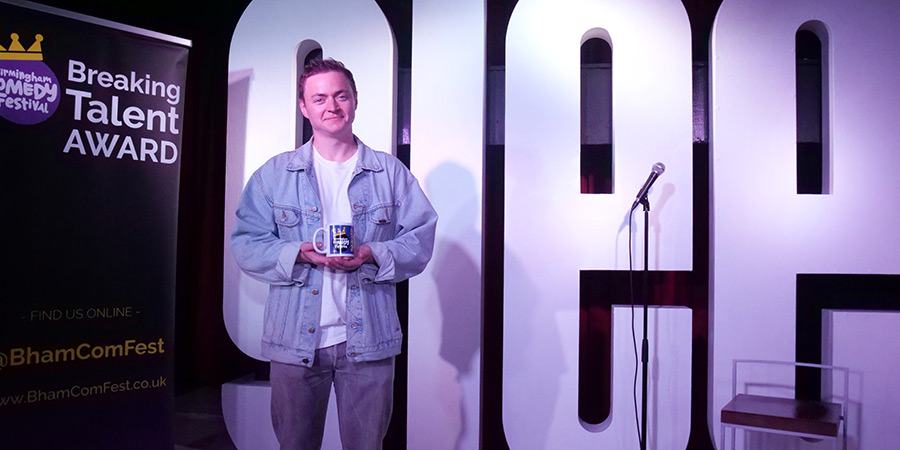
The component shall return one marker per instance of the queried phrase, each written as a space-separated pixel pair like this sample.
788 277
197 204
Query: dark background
205 355
78 229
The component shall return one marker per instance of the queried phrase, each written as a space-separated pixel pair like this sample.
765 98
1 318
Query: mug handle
324 249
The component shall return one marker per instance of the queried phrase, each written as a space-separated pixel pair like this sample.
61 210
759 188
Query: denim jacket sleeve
257 246
407 254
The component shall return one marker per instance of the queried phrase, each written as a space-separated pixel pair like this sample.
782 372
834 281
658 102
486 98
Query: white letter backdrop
262 123
553 231
763 232
266 42
447 141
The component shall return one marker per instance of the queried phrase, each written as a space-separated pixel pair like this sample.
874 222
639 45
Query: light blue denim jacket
280 209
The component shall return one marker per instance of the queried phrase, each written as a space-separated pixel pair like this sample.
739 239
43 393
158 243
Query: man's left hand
362 255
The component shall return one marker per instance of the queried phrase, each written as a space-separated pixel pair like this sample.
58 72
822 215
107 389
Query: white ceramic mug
337 240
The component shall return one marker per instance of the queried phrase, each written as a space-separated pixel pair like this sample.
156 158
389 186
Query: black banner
90 148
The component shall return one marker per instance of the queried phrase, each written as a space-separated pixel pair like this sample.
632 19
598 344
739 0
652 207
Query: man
332 319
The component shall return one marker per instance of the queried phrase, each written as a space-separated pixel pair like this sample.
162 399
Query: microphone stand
645 344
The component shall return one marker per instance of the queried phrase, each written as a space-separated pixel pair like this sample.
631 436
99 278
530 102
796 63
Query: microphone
655 172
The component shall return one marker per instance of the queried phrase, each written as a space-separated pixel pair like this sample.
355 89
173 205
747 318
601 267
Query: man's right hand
308 254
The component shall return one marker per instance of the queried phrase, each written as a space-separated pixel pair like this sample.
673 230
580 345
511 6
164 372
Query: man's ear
303 109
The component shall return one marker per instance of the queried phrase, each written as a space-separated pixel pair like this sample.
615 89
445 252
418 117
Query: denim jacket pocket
287 218
382 218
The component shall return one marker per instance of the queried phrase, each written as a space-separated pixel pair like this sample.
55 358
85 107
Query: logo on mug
339 240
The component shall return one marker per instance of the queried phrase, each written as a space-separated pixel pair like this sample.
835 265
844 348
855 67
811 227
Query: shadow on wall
243 323
457 274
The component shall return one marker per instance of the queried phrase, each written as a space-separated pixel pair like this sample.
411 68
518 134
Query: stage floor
199 424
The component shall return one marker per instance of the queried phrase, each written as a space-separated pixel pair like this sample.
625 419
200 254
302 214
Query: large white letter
764 233
262 122
553 231
445 302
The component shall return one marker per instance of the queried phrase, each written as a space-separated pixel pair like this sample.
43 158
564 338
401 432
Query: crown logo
18 53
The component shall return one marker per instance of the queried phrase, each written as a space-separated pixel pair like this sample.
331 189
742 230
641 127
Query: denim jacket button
315 292
311 330
305 360
314 209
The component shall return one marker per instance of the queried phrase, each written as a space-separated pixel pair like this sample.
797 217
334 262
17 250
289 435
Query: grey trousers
364 394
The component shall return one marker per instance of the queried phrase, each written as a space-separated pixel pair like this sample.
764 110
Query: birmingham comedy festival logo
29 90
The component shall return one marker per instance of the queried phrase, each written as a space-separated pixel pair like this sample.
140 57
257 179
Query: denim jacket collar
302 158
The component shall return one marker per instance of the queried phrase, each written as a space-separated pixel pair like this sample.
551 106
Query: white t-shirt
334 181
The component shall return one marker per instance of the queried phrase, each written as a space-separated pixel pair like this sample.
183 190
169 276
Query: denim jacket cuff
385 261
287 262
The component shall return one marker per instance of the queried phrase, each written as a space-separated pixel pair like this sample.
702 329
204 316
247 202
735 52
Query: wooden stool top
783 414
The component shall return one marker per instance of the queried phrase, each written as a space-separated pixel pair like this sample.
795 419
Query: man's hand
362 255
308 254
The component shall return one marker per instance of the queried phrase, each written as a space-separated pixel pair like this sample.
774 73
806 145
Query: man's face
330 104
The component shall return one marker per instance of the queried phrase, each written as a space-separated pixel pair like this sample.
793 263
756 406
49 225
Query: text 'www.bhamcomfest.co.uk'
78 391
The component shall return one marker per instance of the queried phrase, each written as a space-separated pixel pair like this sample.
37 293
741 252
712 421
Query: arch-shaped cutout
306 52
596 113
814 159
594 348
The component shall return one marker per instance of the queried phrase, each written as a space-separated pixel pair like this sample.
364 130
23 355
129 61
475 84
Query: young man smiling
332 320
